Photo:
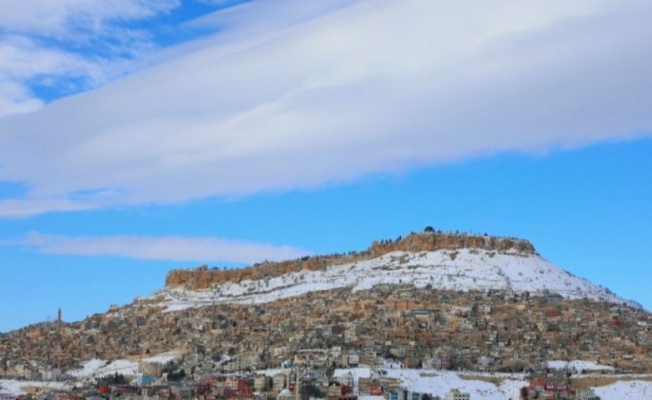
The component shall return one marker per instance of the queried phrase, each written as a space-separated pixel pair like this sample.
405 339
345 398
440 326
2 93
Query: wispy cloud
64 18
333 94
22 208
70 45
168 248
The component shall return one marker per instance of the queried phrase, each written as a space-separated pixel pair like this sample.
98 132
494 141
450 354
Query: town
312 337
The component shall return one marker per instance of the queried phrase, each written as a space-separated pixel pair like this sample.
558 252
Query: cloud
326 96
63 18
26 208
70 45
167 248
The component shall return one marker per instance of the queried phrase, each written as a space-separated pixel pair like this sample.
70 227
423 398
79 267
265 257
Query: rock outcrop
204 277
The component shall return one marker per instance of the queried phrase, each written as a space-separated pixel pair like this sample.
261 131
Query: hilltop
442 261
204 278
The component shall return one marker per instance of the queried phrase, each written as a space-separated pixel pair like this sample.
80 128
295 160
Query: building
278 382
339 391
262 383
144 379
455 394
236 387
51 374
345 379
369 387
401 394
286 395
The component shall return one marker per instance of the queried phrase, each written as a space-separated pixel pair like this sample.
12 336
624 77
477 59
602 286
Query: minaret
59 319
287 385
296 387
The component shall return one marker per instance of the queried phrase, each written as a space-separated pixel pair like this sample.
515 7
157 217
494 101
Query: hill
432 300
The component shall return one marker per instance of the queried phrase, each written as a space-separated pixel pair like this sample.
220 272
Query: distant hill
432 299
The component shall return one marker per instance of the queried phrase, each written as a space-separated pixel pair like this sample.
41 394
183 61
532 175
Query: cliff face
433 241
203 277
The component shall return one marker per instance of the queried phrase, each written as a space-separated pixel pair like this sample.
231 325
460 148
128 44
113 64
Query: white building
51 374
455 394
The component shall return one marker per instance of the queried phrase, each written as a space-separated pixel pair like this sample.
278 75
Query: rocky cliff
204 277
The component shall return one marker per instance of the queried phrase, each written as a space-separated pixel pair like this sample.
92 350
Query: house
456 394
340 392
182 392
144 379
278 382
262 382
51 374
285 394
402 394
345 379
369 387
236 386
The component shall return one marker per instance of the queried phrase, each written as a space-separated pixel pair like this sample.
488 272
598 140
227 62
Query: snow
640 390
506 386
15 388
273 371
98 368
439 383
164 358
464 269
578 366
88 368
357 373
124 367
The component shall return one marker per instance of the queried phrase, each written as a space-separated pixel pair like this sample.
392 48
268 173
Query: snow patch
88 368
15 388
578 366
625 390
465 269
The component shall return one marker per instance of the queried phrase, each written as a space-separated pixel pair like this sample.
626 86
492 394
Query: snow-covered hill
463 269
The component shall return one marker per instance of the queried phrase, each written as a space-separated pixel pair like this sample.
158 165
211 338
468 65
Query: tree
177 376
429 229
115 379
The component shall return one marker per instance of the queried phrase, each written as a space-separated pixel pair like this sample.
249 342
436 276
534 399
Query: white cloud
169 248
53 42
14 99
62 18
20 208
322 97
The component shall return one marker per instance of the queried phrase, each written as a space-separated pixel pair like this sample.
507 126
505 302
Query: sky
140 136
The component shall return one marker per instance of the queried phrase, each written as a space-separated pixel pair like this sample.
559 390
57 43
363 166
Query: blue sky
150 135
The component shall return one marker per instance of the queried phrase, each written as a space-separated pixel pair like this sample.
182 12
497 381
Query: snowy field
577 366
97 368
15 388
439 383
